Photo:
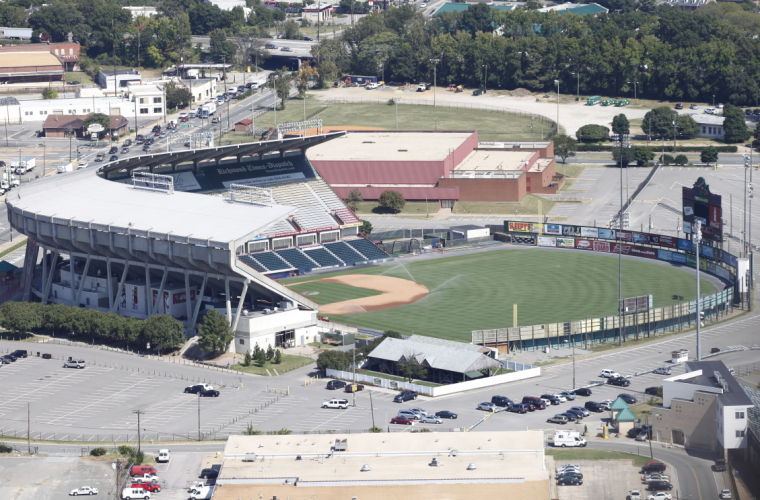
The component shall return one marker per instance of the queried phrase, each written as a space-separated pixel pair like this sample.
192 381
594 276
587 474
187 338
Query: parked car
335 384
619 381
134 493
409 414
551 398
152 487
209 473
113 150
562 399
659 486
502 401
446 414
431 419
583 411
569 480
209 393
341 404
660 495
354 388
127 143
488 406
141 470
20 353
163 455
719 465
607 373
518 408
576 413
633 495
47 355
124 150
653 466
655 476
652 391
594 406
725 494
402 420
583 391
568 468
606 404
422 412
679 105
84 490
538 403
405 396
195 389
568 395
558 419
100 157
627 398
572 416
74 363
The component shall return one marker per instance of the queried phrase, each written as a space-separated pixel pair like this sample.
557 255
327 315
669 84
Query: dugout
469 232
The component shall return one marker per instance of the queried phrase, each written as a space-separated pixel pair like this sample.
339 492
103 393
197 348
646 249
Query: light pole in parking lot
572 346
434 61
199 415
635 85
139 442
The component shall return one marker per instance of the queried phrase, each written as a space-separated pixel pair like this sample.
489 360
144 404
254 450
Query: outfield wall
439 390
678 251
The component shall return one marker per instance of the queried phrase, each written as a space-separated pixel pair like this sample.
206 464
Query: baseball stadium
255 231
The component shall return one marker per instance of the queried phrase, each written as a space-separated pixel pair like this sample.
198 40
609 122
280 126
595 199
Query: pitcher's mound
395 292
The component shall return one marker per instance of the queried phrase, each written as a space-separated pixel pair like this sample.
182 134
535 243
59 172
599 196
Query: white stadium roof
85 197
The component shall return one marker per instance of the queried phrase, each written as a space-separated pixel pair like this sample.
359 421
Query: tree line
159 333
710 54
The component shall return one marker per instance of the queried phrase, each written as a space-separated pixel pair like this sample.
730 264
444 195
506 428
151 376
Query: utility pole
28 428
434 61
199 416
372 409
556 82
139 441
697 240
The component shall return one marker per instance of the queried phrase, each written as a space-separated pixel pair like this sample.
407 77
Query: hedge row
658 149
162 332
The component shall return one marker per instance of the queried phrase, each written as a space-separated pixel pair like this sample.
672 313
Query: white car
607 373
606 403
163 455
74 363
662 370
725 494
660 495
341 404
562 399
634 495
84 490
431 419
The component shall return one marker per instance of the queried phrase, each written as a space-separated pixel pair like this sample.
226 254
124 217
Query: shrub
98 452
4 448
681 160
592 133
375 429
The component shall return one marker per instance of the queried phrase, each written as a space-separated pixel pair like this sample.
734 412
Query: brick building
16 67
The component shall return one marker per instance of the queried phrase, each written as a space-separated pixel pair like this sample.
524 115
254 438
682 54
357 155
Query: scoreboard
700 204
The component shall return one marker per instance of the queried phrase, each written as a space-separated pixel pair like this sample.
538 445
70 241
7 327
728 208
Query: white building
231 4
150 100
704 408
282 326
202 89
117 80
141 11
709 126
37 110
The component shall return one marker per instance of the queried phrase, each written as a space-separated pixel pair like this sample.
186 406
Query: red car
402 420
152 487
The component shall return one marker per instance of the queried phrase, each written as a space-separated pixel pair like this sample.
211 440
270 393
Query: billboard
571 230
649 253
699 204
522 227
566 242
601 246
625 236
589 232
607 234
553 228
584 244
547 241
640 238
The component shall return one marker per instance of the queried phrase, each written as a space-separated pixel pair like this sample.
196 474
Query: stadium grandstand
183 232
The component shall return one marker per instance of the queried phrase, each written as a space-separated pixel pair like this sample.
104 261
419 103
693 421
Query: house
709 126
117 80
67 52
18 66
385 465
319 12
244 125
704 409
444 361
73 125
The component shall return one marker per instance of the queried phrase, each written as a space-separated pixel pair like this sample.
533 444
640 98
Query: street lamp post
556 82
139 442
434 61
635 85
697 240
485 78
675 129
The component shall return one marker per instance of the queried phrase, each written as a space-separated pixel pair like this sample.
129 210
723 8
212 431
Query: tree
19 317
392 201
592 133
620 124
215 332
412 369
270 352
49 93
162 332
564 146
247 358
642 156
221 49
177 97
337 360
366 227
261 358
354 197
681 160
757 135
687 127
277 358
623 156
666 159
99 118
659 122
734 126
291 30
709 155
304 78
280 82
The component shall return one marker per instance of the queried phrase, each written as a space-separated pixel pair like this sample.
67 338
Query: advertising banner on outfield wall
606 234
707 251
584 244
671 256
601 246
624 236
553 228
663 241
730 259
589 232
684 245
547 241
523 227
566 242
621 248
647 252
571 230
640 237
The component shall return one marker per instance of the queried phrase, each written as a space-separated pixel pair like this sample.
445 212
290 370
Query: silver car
431 419
488 406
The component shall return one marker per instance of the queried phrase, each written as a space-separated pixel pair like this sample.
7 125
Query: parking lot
47 478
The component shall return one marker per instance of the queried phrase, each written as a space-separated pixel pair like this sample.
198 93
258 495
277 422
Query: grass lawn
327 293
289 362
568 454
394 377
491 125
78 76
471 292
529 205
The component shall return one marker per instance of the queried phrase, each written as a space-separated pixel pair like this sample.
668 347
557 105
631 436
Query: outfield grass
327 293
477 291
491 125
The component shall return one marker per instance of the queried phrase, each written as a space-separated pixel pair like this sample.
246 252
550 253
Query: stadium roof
576 8
442 354
85 197
486 159
384 146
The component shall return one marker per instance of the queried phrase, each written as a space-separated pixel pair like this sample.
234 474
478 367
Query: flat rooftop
389 146
387 458
23 59
490 160
85 197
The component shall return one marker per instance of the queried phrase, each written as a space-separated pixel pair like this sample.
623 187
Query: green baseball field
477 291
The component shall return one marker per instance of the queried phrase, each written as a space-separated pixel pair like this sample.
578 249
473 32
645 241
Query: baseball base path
395 292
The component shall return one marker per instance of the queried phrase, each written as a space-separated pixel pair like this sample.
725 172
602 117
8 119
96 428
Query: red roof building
67 52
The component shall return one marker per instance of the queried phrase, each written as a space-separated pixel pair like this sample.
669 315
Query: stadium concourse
182 232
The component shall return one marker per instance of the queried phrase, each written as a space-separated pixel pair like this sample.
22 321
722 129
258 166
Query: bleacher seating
368 249
271 261
345 253
247 259
322 257
311 213
297 259
345 216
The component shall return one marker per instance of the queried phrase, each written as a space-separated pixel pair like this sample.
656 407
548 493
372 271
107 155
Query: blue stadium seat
247 259
272 261
297 259
345 253
368 249
322 257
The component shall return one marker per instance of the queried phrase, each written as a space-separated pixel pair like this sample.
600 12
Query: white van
568 438
163 456
134 494
202 493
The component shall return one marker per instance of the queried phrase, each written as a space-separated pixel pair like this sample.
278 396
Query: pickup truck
152 487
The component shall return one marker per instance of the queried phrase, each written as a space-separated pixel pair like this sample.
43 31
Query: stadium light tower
697 240
623 142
